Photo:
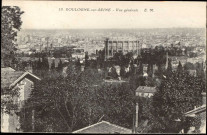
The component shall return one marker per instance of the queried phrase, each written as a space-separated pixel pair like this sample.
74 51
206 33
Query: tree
189 66
113 73
78 64
87 64
60 103
39 64
169 68
65 104
45 64
60 66
7 100
53 65
122 72
149 70
117 104
180 68
176 95
11 24
140 69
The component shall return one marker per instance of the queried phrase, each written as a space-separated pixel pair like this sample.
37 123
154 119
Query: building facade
123 45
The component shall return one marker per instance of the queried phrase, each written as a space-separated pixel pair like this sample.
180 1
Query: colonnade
124 46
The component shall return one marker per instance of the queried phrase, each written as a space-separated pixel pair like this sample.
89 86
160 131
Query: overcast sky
46 14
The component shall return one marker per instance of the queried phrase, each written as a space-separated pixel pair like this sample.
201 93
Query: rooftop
146 89
104 127
9 77
122 39
196 111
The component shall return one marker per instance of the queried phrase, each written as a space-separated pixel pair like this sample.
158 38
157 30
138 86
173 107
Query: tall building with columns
124 45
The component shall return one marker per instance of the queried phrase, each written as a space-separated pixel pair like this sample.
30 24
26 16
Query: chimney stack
203 98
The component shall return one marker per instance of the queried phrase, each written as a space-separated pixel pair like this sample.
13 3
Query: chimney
203 98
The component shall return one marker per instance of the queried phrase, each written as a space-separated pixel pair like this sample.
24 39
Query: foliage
176 95
60 66
10 24
113 73
169 68
65 104
59 101
53 65
180 67
8 100
117 103
150 70
189 66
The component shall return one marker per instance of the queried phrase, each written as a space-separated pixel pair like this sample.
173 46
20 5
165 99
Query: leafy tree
8 105
140 69
45 63
78 64
200 70
169 68
113 73
150 81
176 95
122 72
10 25
60 66
149 70
60 104
87 64
117 104
53 65
39 64
65 104
189 66
180 67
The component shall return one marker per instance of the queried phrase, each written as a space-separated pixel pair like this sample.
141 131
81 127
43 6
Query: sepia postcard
103 67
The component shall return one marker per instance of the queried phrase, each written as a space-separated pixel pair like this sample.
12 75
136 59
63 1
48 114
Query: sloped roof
199 111
104 127
146 89
196 111
11 77
7 69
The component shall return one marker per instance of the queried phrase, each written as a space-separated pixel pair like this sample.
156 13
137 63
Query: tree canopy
10 25
176 95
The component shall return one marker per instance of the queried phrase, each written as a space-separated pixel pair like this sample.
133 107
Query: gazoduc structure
124 45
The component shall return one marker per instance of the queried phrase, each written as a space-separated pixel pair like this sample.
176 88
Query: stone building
123 45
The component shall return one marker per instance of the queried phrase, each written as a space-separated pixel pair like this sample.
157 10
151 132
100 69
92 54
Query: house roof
10 77
146 89
7 69
104 127
195 111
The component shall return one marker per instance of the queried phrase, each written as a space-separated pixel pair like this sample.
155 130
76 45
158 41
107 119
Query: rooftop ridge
98 124
200 108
